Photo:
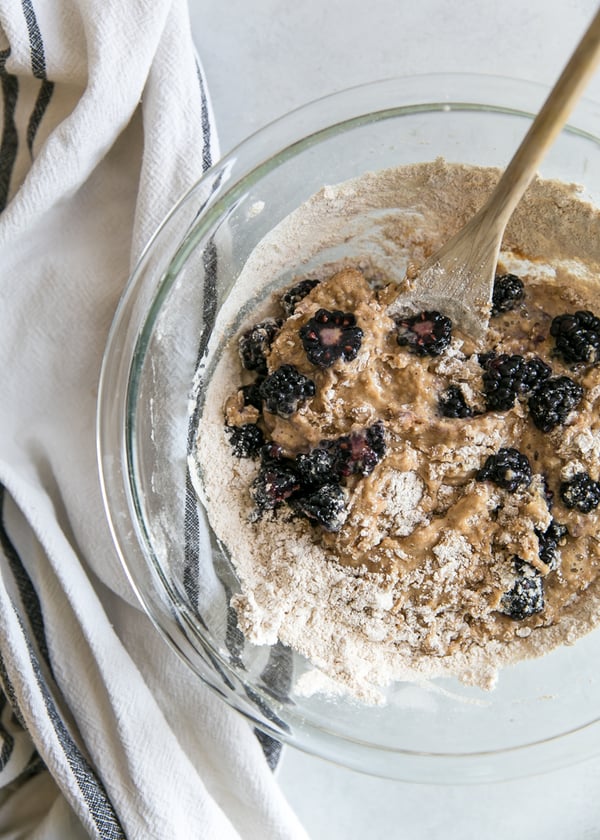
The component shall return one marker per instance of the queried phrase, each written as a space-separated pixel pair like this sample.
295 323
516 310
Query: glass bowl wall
544 713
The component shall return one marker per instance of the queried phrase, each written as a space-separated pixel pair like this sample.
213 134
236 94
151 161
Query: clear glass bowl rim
262 149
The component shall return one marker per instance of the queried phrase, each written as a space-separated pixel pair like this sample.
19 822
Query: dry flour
408 588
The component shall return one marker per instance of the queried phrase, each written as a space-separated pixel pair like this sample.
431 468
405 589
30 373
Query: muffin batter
396 503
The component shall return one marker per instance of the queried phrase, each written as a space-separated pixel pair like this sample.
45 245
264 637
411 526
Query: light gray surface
338 804
264 57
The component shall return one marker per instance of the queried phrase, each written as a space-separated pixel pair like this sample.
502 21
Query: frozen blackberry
577 337
246 441
255 344
251 395
549 541
360 452
329 336
285 389
536 372
452 403
580 492
526 597
325 506
508 291
426 334
553 400
274 484
503 377
293 296
318 466
508 469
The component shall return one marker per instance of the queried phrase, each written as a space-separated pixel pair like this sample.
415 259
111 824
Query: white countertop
265 57
262 58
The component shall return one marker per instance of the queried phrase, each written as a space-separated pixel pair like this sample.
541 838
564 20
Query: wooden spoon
458 279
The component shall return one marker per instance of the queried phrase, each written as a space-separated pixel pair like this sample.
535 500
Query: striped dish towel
103 732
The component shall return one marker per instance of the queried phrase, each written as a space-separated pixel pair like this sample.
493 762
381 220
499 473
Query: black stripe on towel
270 747
9 144
191 524
234 639
209 310
36 45
38 68
27 762
190 571
267 711
276 677
7 741
92 790
191 547
39 109
29 597
206 127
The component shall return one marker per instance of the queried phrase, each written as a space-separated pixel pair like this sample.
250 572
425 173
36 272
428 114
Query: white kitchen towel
105 121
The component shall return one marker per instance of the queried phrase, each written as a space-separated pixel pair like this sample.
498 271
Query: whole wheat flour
417 551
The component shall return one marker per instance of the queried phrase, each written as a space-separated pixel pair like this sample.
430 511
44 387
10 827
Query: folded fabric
103 731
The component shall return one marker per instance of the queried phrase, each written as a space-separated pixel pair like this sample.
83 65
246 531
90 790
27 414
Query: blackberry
294 295
508 469
284 390
325 506
526 596
255 344
549 541
271 452
580 492
485 358
360 452
452 403
548 493
318 466
329 336
426 334
503 378
274 484
536 372
577 336
251 395
246 440
508 291
553 400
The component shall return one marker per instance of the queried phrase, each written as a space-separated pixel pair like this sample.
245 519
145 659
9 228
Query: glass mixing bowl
545 712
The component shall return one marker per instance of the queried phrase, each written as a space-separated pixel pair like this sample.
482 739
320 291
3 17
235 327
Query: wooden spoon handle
546 126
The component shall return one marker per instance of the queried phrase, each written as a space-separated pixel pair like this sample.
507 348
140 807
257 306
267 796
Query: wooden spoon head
457 281
464 299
